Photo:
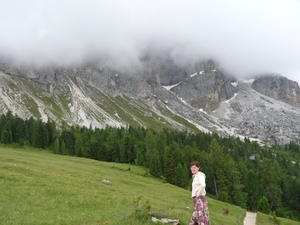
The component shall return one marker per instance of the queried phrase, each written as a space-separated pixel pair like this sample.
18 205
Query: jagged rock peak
278 87
206 89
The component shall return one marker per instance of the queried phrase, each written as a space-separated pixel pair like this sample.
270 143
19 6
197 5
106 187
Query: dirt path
250 218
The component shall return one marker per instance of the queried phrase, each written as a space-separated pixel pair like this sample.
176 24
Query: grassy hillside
263 219
38 187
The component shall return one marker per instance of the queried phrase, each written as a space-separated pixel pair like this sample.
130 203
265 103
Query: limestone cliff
278 87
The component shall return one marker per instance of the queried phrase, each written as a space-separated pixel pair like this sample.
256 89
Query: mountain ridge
207 100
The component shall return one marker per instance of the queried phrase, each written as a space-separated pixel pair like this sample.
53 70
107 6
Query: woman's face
194 169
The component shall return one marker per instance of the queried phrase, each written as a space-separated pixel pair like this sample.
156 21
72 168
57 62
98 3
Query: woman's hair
195 163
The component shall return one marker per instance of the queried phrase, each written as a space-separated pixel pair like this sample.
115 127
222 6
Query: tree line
239 172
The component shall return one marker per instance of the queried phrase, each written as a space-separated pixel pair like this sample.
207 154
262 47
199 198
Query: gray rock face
279 88
114 83
205 90
260 117
40 74
266 109
163 70
107 80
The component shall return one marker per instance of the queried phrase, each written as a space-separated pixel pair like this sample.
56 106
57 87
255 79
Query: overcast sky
245 36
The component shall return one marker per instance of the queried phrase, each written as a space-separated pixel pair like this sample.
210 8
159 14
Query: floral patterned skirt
200 215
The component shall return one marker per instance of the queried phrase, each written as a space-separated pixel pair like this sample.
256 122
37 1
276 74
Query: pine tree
140 161
188 154
29 127
56 148
51 130
102 151
18 129
35 135
69 139
180 177
127 152
113 147
186 175
150 144
64 150
43 134
252 189
6 136
155 168
238 196
78 145
3 121
93 146
160 146
263 205
169 166
216 155
270 178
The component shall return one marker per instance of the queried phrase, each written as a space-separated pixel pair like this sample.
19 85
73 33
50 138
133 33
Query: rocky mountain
161 95
279 88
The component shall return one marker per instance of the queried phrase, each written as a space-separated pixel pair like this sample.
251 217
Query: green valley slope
38 187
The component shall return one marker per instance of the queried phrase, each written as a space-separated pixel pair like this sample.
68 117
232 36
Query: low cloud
245 37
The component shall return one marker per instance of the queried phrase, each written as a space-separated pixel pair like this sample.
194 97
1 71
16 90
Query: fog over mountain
245 37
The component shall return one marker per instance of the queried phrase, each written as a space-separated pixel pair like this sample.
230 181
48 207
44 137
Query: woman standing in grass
200 214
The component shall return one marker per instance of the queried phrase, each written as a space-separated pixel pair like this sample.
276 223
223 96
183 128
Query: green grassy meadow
263 219
39 187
